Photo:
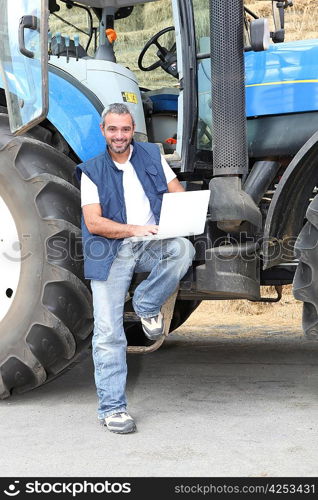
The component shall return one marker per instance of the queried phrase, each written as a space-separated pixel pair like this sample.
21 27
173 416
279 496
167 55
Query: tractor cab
119 54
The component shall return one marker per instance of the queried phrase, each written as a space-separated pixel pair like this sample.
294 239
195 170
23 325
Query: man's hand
144 230
96 224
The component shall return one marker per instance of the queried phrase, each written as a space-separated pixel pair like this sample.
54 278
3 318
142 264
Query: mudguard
75 111
286 213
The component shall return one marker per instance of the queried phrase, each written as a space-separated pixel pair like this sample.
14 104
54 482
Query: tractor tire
45 308
305 285
54 139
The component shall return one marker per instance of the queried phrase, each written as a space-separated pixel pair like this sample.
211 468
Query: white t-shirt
137 204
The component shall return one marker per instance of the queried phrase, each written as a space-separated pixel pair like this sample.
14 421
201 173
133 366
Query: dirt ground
245 317
232 393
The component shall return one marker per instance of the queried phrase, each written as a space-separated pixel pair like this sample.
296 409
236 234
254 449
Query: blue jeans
167 261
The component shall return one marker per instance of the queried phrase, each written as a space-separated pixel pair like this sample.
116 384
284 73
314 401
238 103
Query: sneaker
121 423
153 327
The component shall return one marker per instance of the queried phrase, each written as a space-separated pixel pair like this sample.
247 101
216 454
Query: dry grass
135 31
301 20
246 317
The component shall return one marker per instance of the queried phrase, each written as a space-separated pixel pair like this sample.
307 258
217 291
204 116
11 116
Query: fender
75 111
287 210
282 79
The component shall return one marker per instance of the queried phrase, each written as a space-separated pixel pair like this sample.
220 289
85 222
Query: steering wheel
167 57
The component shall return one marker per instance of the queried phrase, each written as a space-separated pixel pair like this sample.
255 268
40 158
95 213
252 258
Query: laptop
182 214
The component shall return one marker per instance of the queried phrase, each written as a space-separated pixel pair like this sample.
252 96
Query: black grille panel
228 90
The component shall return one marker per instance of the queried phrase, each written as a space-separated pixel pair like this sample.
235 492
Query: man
121 194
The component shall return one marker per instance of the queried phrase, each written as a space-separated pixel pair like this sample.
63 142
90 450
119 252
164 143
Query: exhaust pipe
230 205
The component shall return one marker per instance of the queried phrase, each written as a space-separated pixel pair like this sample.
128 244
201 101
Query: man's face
118 131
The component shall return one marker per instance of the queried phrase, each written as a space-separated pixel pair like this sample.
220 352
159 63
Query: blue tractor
234 109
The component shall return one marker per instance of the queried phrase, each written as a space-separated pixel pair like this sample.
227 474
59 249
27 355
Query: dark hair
119 109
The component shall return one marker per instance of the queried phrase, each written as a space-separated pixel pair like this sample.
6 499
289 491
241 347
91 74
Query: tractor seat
164 100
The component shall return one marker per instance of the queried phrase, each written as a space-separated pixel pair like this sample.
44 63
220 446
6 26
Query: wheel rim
10 259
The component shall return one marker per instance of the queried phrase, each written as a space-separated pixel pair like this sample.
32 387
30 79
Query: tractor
233 108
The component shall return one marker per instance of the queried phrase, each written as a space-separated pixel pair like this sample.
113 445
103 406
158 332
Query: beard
119 147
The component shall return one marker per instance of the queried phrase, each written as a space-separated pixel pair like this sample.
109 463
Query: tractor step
167 312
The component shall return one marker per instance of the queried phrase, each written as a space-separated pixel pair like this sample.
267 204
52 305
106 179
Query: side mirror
259 34
278 8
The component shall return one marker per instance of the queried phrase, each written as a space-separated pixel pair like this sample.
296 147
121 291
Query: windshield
132 34
74 20
134 31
